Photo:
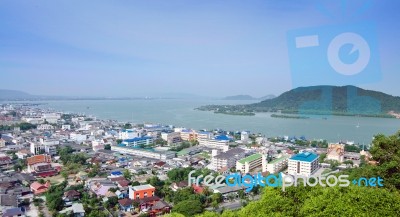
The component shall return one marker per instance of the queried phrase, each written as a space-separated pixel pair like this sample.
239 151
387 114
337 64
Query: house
125 204
22 154
71 195
38 188
13 212
141 191
123 183
160 208
116 174
146 203
120 194
76 209
159 164
178 185
5 160
8 201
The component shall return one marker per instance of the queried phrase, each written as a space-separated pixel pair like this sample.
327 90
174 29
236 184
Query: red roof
123 183
43 158
125 202
197 189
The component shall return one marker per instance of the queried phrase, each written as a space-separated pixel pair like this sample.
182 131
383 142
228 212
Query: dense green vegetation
23 126
330 201
333 100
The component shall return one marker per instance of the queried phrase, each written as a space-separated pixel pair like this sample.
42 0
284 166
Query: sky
207 48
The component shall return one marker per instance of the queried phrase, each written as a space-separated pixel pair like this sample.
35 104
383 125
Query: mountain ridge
322 99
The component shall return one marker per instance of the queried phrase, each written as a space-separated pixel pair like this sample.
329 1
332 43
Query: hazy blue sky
207 47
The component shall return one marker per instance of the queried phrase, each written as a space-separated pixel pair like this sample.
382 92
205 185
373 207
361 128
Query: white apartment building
218 142
51 117
45 127
276 165
249 163
129 134
304 164
41 148
66 127
78 137
34 119
227 159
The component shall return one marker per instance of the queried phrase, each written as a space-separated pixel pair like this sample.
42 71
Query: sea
182 113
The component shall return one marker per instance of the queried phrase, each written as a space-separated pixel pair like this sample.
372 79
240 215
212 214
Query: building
188 135
38 188
275 165
244 136
2 143
148 152
218 142
66 127
141 191
5 160
227 159
138 141
249 163
97 145
77 137
22 154
44 147
51 117
40 165
172 139
304 164
335 152
45 127
129 134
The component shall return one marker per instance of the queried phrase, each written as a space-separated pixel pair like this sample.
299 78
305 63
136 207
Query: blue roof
206 133
127 130
186 131
116 173
305 156
137 139
221 137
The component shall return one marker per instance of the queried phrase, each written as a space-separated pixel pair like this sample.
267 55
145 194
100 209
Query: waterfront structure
150 153
335 152
275 165
304 164
141 191
227 159
249 163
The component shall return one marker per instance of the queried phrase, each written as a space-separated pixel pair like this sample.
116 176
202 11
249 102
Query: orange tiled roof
39 159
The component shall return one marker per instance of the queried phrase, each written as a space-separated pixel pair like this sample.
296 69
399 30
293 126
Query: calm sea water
181 113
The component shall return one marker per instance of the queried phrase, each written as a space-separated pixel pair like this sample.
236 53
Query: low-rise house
178 185
141 191
146 203
38 188
12 212
76 210
71 195
160 208
40 165
22 154
8 201
125 204
5 160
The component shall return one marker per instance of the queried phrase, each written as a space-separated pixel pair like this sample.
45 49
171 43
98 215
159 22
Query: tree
322 157
127 174
188 207
107 147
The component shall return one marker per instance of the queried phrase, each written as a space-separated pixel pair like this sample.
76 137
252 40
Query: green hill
337 100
